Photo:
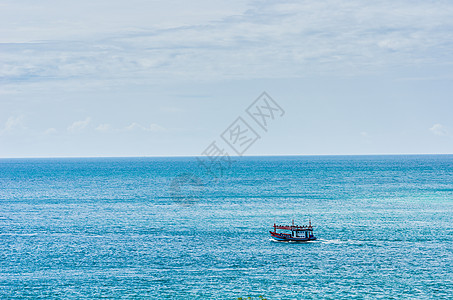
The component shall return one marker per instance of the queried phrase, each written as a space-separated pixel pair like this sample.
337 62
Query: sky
167 78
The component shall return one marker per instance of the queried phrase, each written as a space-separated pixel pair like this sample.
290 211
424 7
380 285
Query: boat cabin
293 232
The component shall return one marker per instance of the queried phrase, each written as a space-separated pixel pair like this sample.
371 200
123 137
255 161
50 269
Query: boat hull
288 237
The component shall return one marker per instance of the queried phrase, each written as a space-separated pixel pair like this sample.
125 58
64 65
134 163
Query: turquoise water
114 228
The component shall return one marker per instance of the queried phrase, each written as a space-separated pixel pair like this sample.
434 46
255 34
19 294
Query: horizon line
236 156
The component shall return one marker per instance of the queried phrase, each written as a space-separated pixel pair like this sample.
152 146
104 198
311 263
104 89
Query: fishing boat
293 233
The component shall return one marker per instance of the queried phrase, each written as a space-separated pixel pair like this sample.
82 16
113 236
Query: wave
18 234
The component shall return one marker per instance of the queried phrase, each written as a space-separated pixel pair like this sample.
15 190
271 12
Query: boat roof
294 227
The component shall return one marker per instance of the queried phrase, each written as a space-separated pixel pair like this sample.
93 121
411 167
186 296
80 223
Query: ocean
165 228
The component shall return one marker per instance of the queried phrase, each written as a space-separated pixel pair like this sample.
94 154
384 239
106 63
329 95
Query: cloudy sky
139 78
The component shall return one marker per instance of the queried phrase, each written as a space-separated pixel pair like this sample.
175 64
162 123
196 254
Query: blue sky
138 78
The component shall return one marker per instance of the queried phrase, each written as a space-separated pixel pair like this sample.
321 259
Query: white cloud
51 20
155 127
104 127
50 131
13 124
151 128
440 130
250 39
79 125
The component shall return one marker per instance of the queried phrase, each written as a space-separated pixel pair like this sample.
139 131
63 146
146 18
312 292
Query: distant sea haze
164 228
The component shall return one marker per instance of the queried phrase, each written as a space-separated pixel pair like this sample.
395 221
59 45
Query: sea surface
166 228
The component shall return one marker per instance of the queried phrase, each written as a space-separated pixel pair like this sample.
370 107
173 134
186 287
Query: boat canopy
294 227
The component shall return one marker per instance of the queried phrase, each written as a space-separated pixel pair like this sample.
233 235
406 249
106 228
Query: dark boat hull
288 237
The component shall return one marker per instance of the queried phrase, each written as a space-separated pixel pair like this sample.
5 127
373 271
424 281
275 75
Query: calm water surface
112 228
